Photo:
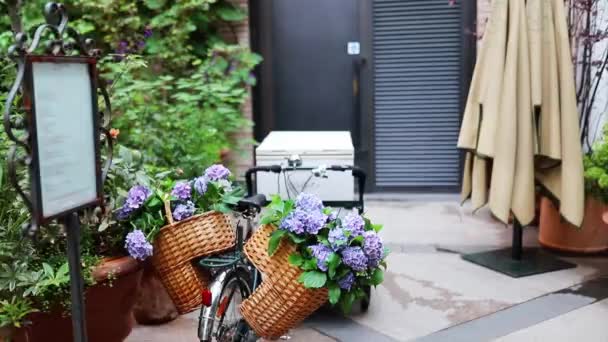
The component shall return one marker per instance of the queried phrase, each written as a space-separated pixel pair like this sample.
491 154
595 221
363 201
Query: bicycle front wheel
228 323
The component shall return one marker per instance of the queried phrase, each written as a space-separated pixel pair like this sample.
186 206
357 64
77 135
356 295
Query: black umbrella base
533 261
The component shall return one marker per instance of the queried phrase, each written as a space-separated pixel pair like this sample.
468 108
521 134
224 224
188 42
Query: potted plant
310 255
34 277
592 236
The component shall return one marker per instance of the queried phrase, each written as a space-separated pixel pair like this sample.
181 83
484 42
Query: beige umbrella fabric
521 72
558 125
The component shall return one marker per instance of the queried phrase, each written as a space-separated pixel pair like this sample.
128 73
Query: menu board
65 135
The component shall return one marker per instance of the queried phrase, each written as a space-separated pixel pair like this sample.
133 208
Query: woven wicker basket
179 243
281 302
196 236
184 284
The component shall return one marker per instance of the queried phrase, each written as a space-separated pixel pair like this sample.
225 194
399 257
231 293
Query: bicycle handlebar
357 172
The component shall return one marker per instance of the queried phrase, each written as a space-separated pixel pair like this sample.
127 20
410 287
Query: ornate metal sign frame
38 209
63 44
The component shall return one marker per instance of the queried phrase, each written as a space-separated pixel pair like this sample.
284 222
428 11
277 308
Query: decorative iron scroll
57 38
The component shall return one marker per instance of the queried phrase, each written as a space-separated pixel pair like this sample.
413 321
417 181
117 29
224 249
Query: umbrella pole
518 236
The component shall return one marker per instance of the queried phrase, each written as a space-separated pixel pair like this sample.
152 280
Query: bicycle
235 278
232 271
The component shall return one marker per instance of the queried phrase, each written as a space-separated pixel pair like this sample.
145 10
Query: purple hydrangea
183 211
332 216
347 281
217 172
123 213
353 222
137 245
148 32
300 221
182 191
294 222
137 196
321 253
308 202
354 258
337 239
373 248
200 185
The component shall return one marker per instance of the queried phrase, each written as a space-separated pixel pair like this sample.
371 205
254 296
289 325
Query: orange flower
114 132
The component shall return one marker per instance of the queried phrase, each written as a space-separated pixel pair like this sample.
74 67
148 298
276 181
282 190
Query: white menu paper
66 146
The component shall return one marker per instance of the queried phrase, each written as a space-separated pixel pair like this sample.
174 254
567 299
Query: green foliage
185 121
313 279
596 169
13 312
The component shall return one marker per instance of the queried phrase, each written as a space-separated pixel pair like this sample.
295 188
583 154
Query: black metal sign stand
69 56
72 228
517 261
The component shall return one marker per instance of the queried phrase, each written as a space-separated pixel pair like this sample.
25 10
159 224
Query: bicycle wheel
228 323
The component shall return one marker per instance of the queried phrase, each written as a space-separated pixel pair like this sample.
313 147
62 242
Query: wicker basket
184 284
281 302
179 243
196 236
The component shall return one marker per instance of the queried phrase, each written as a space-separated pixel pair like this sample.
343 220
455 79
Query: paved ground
431 293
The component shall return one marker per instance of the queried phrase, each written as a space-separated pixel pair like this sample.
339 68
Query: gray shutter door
417 71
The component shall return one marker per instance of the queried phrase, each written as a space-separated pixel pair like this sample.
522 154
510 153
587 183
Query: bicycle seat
252 203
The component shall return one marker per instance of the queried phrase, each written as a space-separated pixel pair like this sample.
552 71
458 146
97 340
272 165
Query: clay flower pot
591 237
109 307
153 305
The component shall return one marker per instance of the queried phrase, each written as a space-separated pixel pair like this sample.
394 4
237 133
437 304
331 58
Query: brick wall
241 158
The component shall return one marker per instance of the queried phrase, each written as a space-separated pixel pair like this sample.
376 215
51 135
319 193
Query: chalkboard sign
66 174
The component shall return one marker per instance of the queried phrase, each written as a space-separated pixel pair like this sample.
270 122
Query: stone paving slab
428 287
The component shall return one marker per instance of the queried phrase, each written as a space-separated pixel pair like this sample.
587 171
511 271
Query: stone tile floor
429 288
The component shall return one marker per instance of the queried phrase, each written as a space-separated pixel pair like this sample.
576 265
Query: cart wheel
365 301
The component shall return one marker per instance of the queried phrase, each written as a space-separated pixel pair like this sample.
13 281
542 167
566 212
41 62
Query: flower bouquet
183 223
309 255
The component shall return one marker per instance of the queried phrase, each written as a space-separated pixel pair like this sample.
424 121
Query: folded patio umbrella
521 97
498 119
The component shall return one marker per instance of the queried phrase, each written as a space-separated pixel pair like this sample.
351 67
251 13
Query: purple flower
373 248
321 253
353 222
183 211
332 216
294 222
182 191
137 245
200 185
217 172
123 47
337 239
148 32
354 258
308 202
300 222
347 281
136 197
123 213
141 44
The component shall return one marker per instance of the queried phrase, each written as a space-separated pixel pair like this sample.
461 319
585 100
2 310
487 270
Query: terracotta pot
557 234
153 304
109 307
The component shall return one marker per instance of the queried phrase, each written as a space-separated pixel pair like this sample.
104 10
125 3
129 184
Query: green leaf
309 264
268 219
154 4
295 259
313 279
48 270
334 293
275 239
346 302
377 277
63 270
333 261
377 227
296 238
358 239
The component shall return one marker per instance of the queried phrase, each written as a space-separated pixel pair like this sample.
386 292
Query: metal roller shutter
417 73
